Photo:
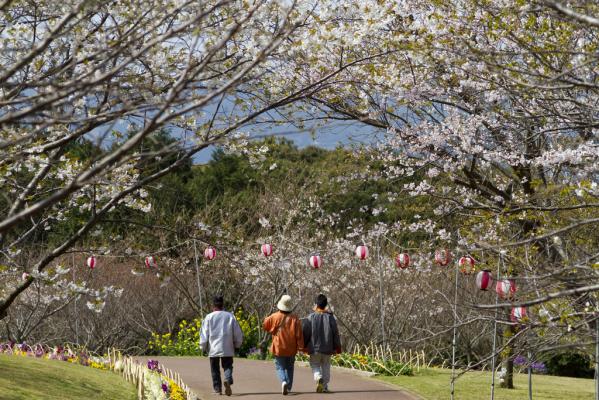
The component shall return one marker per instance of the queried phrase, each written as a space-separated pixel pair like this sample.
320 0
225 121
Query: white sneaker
284 388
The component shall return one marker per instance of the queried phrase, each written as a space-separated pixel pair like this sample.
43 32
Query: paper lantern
266 249
151 262
466 264
483 279
505 288
402 260
518 314
362 252
91 262
315 261
209 253
443 257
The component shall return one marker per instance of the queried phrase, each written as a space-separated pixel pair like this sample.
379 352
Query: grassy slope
29 378
433 384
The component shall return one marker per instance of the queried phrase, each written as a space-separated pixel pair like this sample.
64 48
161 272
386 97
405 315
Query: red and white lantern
362 252
209 253
315 261
151 262
518 314
466 264
91 262
483 279
266 250
402 260
442 257
505 288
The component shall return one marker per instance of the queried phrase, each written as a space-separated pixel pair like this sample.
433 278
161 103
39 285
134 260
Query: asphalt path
257 380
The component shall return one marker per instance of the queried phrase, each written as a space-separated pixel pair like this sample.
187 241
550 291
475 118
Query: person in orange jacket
287 340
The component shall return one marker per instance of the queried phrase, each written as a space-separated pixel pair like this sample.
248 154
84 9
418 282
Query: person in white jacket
221 336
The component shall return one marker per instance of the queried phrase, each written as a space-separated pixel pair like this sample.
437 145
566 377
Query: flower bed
70 354
153 381
366 363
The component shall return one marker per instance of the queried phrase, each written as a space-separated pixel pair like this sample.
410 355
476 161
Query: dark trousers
227 364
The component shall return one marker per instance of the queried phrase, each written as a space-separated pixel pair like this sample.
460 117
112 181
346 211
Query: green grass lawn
30 378
433 384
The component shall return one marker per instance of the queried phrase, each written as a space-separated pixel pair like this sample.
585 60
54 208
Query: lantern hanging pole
596 352
529 373
76 297
381 297
499 265
195 252
455 330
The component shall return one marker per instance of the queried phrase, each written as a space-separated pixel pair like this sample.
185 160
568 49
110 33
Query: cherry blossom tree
112 73
495 103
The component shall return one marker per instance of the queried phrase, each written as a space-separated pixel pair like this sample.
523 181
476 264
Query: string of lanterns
505 288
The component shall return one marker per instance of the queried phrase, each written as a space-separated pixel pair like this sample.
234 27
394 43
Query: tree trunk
507 355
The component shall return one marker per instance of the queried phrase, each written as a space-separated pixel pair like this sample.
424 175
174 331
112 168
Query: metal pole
455 332
499 265
596 355
381 296
529 375
76 297
195 252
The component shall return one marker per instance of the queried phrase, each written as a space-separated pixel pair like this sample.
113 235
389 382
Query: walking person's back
287 340
220 336
322 337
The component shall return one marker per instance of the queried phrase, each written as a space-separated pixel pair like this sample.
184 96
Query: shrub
572 364
186 342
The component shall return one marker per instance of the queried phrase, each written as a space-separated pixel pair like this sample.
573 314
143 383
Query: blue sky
330 136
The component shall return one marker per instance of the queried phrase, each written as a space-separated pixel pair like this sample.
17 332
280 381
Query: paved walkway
256 380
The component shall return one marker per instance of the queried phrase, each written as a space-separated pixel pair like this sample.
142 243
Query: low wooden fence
134 372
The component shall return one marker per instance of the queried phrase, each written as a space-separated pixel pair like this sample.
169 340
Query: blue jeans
284 368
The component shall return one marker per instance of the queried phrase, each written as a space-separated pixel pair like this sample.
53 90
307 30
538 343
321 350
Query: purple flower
539 367
520 360
39 351
164 387
153 366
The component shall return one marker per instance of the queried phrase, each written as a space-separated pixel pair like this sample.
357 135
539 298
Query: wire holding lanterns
91 262
210 253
